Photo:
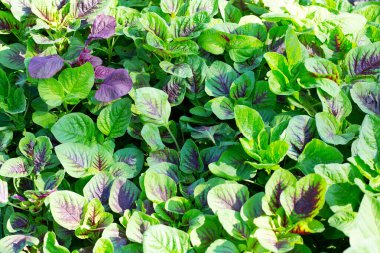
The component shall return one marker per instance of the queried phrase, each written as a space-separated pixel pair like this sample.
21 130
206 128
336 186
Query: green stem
173 137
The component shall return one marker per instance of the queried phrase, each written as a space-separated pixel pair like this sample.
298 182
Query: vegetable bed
189 126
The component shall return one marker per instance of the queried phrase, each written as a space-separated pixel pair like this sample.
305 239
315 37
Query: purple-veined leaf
338 105
367 96
67 208
222 107
230 196
176 90
129 162
102 158
301 130
219 79
364 60
153 105
212 154
277 183
102 28
123 195
201 191
18 222
115 85
116 234
34 196
233 224
75 158
16 243
191 161
306 198
163 156
45 66
45 10
87 8
204 229
181 70
168 169
159 187
137 224
99 187
178 205
197 80
53 181
102 72
3 193
12 56
15 168
252 208
94 216
270 241
7 22
243 86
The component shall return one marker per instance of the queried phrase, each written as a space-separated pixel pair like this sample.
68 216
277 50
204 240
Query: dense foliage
187 126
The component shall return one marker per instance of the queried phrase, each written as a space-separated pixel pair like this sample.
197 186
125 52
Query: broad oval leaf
113 121
367 96
228 196
74 128
137 224
123 195
364 60
12 56
219 79
306 198
103 27
99 187
15 168
159 187
191 161
117 84
45 66
75 158
66 208
153 105
300 131
181 70
161 238
16 243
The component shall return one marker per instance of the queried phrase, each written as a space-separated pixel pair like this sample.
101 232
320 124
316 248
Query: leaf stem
173 137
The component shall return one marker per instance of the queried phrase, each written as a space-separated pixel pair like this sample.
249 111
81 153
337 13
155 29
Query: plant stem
173 137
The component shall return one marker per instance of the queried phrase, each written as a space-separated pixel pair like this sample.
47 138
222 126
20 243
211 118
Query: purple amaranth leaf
103 28
117 236
45 66
115 85
15 243
102 72
85 56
